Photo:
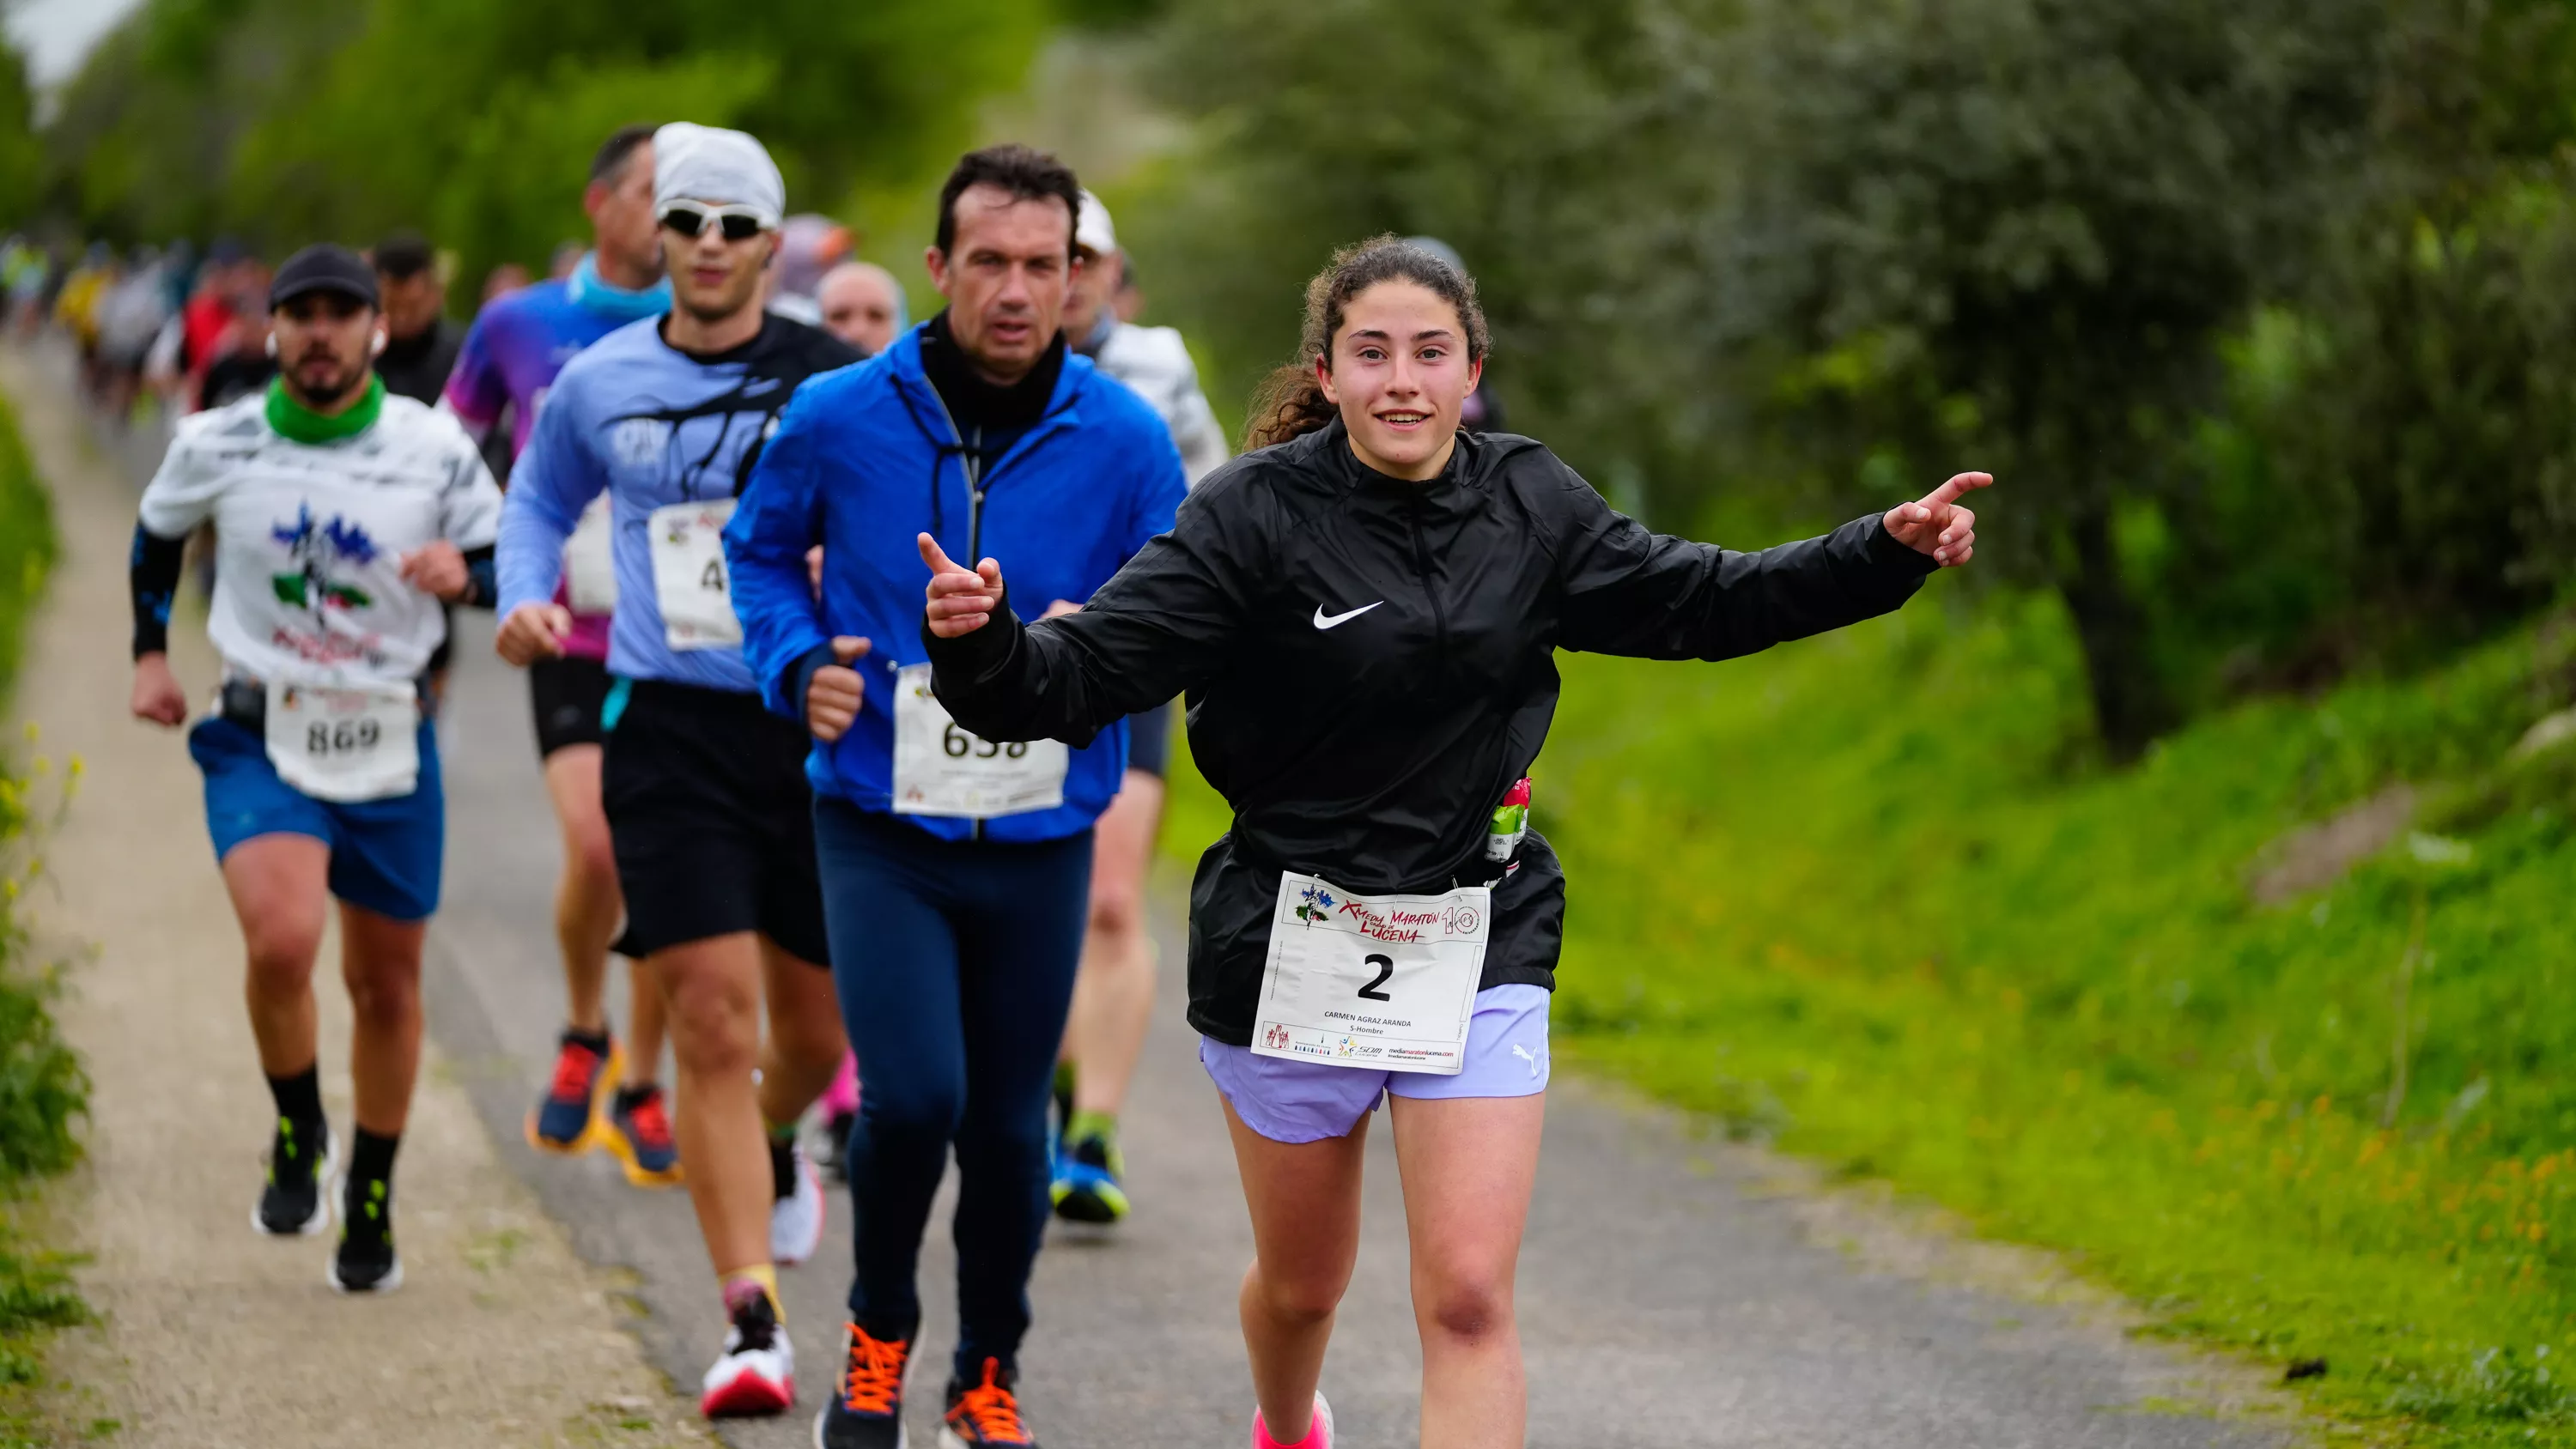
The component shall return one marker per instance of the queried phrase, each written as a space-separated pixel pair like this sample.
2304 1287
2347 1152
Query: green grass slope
1868 897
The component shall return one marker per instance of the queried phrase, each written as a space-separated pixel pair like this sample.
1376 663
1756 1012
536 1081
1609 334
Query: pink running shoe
1319 1434
841 1099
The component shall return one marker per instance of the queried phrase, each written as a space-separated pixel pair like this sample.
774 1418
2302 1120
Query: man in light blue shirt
708 810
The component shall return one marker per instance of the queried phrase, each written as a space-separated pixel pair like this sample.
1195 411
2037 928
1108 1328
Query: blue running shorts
385 854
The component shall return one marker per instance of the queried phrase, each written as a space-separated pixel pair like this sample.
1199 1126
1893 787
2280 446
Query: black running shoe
367 1262
832 1145
985 1414
866 1408
294 1202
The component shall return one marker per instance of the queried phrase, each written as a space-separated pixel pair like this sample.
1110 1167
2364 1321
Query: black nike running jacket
1369 666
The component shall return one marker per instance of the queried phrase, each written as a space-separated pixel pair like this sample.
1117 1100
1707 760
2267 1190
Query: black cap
404 254
323 267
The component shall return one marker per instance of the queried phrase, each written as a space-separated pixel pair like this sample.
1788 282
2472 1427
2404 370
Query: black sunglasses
738 223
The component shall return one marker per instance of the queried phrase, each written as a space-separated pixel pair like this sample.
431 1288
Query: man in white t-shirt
343 518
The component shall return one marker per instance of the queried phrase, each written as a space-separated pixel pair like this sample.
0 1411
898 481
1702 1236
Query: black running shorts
566 694
1149 741
712 821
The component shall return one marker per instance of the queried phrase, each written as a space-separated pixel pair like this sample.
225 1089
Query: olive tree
2008 234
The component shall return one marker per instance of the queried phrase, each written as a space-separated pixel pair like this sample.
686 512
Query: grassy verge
1867 897
41 1085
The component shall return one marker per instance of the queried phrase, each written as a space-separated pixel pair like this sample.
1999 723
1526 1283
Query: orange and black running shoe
566 1115
985 1415
866 1409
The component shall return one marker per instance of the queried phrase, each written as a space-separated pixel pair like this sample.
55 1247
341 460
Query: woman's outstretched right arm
1163 625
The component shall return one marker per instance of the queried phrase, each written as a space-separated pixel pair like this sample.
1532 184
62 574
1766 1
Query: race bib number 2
689 579
345 745
1386 983
940 769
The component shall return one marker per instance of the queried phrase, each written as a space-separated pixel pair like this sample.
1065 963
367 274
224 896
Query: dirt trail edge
209 1335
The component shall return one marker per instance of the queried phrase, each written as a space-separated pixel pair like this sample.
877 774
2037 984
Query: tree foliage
2159 264
2416 410
286 120
2011 233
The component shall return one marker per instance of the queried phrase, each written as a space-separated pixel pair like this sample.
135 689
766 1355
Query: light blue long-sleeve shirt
651 426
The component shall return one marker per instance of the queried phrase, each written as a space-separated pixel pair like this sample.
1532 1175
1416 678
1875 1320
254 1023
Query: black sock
299 1097
782 1167
367 1201
629 1098
370 1193
595 1040
372 1157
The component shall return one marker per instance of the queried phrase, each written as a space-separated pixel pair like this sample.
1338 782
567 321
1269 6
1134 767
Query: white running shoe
756 1375
796 1220
1318 1436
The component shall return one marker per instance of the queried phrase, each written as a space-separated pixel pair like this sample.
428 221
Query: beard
324 387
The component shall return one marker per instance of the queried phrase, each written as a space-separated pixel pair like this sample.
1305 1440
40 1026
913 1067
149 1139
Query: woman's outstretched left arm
1636 592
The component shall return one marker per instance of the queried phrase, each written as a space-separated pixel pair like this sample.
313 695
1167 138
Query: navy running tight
955 965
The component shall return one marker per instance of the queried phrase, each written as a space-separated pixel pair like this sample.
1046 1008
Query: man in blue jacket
955 870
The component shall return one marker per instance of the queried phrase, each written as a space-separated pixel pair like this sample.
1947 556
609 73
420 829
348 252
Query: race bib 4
689 579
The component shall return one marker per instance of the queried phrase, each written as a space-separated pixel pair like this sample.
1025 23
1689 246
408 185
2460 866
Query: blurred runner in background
420 350
211 324
345 518
809 247
76 308
710 811
863 305
244 366
130 315
420 342
596 1095
25 269
500 282
1113 998
1483 410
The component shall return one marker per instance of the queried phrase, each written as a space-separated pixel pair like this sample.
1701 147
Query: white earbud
272 344
376 344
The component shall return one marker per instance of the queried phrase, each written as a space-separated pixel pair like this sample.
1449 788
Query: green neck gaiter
299 424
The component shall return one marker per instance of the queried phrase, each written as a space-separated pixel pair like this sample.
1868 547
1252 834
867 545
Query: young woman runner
1364 613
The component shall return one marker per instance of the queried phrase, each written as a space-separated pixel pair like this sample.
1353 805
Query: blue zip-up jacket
867 457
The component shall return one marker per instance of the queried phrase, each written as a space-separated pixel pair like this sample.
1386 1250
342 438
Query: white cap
703 163
1091 229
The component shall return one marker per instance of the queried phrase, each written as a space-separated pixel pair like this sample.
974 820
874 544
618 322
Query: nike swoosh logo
1327 621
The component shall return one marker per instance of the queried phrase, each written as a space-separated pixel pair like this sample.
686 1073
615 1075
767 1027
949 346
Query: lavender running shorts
1289 1101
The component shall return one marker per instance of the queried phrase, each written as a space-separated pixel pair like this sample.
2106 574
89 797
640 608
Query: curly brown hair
1291 401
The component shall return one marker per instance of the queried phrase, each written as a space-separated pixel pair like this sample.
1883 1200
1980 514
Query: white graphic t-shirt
310 537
